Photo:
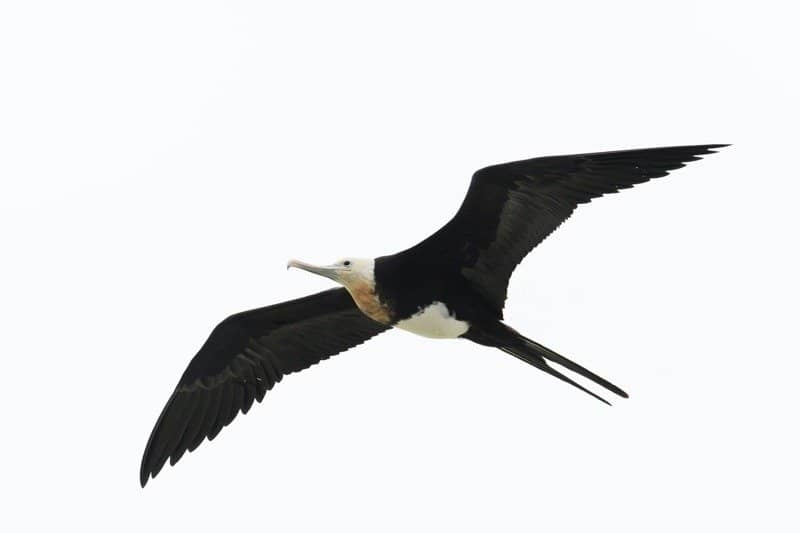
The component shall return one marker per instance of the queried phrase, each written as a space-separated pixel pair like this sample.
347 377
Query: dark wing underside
244 357
510 208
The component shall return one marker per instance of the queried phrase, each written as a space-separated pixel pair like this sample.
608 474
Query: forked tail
510 341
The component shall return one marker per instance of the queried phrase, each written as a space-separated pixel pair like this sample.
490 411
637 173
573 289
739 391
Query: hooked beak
331 272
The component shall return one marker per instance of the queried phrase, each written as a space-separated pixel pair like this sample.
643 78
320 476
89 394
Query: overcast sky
161 161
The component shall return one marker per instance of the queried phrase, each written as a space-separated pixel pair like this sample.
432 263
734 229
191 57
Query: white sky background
160 162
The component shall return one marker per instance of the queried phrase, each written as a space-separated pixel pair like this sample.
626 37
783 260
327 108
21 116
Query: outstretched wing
510 208
244 357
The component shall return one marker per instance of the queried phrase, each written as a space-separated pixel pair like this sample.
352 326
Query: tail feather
542 365
510 341
550 355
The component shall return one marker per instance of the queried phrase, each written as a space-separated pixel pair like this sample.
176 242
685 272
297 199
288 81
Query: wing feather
242 359
510 208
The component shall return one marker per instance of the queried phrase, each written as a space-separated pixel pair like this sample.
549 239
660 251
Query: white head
352 272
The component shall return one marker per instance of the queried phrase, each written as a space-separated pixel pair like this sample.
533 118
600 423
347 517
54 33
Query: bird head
349 271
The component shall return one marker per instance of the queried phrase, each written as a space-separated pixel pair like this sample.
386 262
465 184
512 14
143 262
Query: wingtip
692 149
717 146
697 150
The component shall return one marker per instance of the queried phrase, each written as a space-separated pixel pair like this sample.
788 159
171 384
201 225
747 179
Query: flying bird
451 285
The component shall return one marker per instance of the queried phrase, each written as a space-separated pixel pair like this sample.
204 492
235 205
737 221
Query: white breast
434 321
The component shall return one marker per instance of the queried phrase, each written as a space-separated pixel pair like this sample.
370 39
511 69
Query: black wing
244 357
511 208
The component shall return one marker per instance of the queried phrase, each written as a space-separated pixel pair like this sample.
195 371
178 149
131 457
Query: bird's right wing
244 357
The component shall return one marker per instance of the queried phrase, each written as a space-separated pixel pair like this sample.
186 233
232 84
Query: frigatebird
451 285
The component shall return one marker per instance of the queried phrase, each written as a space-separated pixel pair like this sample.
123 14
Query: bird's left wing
243 358
512 207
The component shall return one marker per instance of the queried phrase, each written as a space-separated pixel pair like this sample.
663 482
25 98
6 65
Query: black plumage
463 268
512 207
244 357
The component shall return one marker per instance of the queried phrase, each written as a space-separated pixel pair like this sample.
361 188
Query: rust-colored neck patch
367 300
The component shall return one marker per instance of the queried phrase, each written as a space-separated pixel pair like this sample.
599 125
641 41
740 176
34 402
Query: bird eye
346 263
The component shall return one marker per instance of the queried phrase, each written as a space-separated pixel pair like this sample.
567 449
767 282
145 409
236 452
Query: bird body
435 321
451 285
